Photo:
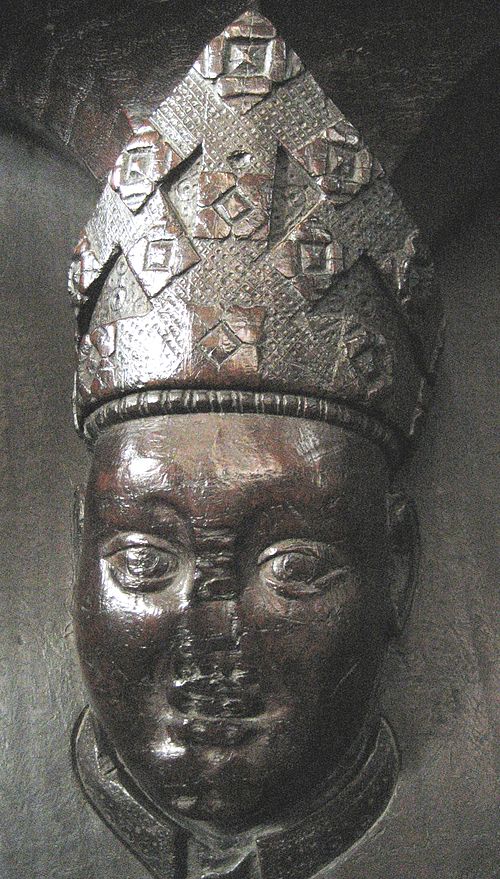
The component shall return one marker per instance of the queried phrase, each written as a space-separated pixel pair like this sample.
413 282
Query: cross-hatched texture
248 240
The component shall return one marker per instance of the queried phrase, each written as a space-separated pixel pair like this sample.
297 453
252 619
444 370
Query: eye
299 569
292 566
143 566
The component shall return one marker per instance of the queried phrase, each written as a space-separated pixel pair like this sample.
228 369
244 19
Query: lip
220 731
222 728
208 697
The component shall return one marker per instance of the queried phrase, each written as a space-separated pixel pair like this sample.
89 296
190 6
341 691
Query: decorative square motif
339 161
139 167
162 253
311 258
233 206
236 204
138 164
246 60
158 254
225 344
365 363
219 343
85 269
96 372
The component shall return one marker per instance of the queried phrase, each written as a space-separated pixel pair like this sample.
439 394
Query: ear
404 551
77 528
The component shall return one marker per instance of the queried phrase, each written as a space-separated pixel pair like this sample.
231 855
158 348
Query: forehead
200 462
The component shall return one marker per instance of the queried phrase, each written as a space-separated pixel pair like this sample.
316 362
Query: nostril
210 678
214 696
220 642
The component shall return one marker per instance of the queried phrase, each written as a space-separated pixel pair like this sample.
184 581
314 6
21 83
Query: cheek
307 644
119 633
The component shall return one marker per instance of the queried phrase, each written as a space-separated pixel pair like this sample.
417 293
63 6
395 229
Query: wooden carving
257 327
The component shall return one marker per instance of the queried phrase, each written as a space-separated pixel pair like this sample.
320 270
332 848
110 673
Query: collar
295 848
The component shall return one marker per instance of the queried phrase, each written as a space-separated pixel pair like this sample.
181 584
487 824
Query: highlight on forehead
213 448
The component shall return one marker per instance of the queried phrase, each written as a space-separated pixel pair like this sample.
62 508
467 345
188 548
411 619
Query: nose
215 569
210 624
210 675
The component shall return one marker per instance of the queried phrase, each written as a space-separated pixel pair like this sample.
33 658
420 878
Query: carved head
257 321
237 591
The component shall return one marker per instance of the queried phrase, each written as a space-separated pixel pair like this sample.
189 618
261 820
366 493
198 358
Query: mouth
217 731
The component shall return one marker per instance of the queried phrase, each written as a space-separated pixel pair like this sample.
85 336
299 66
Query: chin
229 774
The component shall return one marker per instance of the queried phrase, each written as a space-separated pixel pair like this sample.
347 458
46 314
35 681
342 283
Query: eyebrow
116 504
124 509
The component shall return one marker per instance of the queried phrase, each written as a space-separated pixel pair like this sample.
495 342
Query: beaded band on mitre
171 402
248 256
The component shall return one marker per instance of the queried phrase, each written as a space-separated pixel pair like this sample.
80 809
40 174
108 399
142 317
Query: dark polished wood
258 327
240 579
246 557
234 605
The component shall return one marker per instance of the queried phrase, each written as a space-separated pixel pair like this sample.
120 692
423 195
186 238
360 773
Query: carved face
232 608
